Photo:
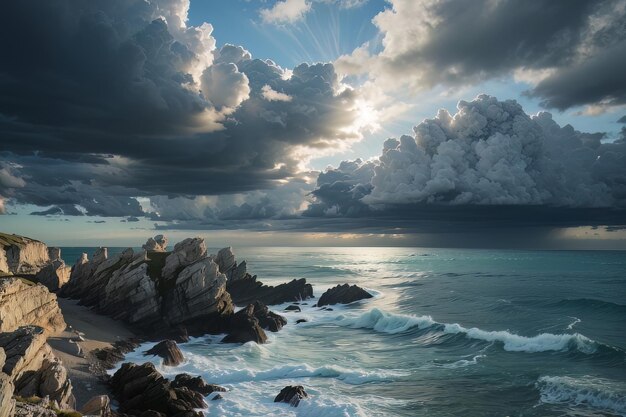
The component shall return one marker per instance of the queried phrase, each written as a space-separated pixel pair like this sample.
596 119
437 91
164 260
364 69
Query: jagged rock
22 255
198 298
225 259
291 395
244 327
156 244
248 289
343 294
196 384
54 275
23 303
185 253
217 397
33 368
109 356
169 351
140 388
100 405
32 410
267 319
54 253
7 404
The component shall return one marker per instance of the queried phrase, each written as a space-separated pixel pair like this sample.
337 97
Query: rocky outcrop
291 395
107 357
343 294
33 368
141 388
100 405
24 303
7 404
185 253
22 255
268 320
169 351
196 384
248 289
244 327
156 244
54 275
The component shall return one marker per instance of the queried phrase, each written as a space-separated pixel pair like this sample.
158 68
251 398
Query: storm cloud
571 52
121 98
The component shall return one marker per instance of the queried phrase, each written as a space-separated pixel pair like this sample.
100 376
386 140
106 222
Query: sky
495 123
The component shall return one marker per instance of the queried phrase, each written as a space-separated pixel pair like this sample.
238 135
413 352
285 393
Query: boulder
54 275
293 307
100 405
24 303
248 290
268 320
109 356
169 351
22 255
244 327
156 244
301 321
141 388
343 294
33 368
196 384
291 395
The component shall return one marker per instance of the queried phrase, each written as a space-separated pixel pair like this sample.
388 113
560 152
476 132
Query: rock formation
24 303
7 404
196 384
33 368
248 290
268 320
169 351
100 405
156 244
244 327
54 275
21 255
343 294
141 388
291 395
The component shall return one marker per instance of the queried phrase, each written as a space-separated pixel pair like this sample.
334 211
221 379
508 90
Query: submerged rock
268 319
291 395
196 384
343 294
169 351
293 308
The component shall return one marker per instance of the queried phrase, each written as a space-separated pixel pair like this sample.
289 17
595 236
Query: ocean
450 332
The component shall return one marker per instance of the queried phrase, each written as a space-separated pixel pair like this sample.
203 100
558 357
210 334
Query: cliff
22 255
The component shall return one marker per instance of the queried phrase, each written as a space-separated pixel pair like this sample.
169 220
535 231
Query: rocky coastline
148 295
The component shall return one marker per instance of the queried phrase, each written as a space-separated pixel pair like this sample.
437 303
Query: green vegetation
68 413
33 399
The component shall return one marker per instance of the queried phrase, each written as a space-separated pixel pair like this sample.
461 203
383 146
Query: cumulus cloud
123 98
489 154
285 11
428 43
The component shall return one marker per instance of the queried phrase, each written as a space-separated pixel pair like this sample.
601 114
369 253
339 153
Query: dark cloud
120 99
572 50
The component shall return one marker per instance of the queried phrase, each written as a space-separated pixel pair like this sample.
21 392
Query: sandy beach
98 332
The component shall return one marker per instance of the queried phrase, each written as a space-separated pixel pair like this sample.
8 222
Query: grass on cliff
10 240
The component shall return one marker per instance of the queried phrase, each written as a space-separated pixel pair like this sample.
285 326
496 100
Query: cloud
285 11
488 158
123 99
572 56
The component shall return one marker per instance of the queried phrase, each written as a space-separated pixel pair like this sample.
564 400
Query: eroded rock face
248 290
185 253
168 350
22 255
7 405
343 294
291 395
54 275
141 388
156 244
33 368
23 303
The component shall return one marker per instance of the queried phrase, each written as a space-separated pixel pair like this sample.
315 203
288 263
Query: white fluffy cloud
224 86
272 95
286 11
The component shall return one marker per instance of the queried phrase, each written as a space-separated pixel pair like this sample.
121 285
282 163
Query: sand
98 331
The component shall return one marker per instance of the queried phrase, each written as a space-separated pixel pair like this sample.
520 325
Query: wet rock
301 321
343 294
244 327
268 319
293 308
291 395
168 350
217 397
248 290
141 388
196 384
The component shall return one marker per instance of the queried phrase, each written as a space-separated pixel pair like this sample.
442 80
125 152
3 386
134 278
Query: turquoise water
449 333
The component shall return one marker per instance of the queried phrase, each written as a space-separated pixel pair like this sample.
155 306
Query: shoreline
98 331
